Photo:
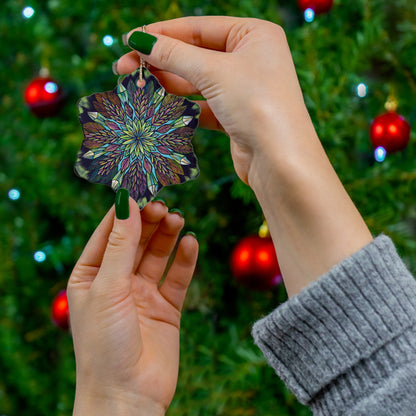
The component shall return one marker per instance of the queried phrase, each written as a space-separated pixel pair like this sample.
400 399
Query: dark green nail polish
176 211
158 199
195 97
122 204
142 42
191 233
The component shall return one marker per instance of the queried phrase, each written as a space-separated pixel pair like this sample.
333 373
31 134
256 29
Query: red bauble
390 131
318 6
254 263
44 97
60 311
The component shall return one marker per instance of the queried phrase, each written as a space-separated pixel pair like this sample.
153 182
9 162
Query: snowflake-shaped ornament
137 138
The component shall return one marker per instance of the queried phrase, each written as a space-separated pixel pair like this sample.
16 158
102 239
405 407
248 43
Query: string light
14 194
28 12
108 40
380 154
39 256
362 90
51 87
309 15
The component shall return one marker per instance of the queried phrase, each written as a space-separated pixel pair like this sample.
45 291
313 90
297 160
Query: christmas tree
350 61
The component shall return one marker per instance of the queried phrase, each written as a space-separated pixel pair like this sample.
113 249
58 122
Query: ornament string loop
141 83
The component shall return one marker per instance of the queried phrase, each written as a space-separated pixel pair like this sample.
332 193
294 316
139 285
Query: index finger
210 32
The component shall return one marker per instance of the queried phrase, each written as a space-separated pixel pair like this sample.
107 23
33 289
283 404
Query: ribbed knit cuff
345 332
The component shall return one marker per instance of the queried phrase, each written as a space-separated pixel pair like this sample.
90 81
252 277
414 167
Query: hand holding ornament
244 70
124 321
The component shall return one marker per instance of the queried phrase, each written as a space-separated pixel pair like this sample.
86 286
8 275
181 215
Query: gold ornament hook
264 230
391 103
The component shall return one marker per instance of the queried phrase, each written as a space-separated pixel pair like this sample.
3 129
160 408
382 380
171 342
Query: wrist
283 152
313 222
115 404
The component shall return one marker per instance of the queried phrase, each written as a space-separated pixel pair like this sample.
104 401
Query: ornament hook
392 103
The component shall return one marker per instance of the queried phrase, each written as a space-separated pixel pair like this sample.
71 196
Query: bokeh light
51 87
361 90
380 154
28 12
108 40
309 15
40 256
14 194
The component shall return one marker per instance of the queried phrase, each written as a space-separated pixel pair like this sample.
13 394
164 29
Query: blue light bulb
39 256
51 87
14 194
309 15
108 40
380 154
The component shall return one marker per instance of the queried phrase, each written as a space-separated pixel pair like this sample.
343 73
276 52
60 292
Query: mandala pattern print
137 138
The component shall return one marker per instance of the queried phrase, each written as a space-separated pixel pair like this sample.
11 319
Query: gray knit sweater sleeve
346 345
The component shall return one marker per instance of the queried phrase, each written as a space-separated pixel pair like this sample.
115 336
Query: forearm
312 220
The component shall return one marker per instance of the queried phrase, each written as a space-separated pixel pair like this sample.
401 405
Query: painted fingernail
124 39
191 233
122 204
176 211
158 199
114 68
142 42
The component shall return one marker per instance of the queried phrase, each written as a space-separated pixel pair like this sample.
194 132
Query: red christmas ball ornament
60 310
390 131
318 6
44 97
254 263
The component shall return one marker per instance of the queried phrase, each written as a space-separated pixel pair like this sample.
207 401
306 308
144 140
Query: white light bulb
361 90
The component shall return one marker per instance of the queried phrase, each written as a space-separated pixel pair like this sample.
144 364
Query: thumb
173 55
123 240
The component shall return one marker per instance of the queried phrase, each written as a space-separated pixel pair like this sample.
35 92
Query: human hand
124 320
244 69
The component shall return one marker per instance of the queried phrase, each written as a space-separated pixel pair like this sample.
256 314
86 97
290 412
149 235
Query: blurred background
352 58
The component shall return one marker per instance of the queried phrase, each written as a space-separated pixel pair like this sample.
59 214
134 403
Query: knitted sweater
346 344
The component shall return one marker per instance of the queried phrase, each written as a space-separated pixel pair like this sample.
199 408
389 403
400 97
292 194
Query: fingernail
191 233
195 97
124 38
122 204
158 199
176 211
142 42
114 68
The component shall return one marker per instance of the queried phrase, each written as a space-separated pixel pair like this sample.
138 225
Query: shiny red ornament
44 97
318 6
390 131
254 263
60 310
